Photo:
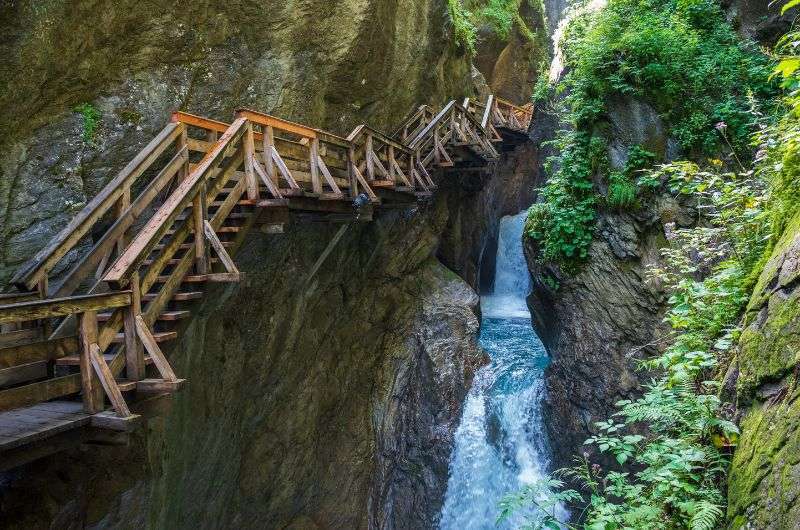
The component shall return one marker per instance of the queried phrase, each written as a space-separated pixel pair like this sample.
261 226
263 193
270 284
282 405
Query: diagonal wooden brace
233 273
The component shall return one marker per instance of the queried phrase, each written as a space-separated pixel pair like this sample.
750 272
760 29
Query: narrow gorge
426 264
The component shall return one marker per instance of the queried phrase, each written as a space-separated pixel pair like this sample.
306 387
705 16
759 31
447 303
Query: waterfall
501 444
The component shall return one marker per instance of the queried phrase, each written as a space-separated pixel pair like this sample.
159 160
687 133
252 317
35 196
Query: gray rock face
130 64
604 317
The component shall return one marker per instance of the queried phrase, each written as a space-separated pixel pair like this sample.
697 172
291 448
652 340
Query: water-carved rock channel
501 444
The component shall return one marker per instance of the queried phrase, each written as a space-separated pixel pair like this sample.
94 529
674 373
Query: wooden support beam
59 307
249 160
134 357
316 184
267 181
155 352
219 248
106 378
90 383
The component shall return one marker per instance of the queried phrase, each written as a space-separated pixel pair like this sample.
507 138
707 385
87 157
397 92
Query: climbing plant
660 51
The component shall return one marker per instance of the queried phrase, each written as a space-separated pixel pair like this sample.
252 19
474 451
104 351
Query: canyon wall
324 402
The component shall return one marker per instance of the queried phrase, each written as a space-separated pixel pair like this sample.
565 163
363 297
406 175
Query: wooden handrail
60 307
364 129
434 122
120 272
37 268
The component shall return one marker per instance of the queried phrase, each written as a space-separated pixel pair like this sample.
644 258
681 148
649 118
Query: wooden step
220 230
168 316
158 386
192 278
160 336
174 261
172 316
75 360
188 246
240 202
177 297
126 385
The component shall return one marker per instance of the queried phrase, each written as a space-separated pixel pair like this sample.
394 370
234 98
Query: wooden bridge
81 351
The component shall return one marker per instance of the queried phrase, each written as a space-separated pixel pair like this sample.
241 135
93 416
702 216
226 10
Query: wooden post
351 172
90 383
368 157
411 170
198 216
134 357
316 184
269 145
392 163
249 158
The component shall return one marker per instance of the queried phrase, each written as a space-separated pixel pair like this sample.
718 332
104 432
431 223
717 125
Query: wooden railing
199 179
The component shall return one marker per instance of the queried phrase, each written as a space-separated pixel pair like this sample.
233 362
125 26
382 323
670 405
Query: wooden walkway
85 347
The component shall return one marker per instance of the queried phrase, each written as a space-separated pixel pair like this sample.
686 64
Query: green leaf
788 5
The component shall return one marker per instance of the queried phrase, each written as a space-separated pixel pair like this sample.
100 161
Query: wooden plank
277 123
200 122
37 392
227 262
22 373
121 271
14 298
44 260
59 307
414 143
43 350
12 339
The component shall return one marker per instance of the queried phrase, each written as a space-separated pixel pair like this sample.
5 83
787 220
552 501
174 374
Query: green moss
765 477
129 115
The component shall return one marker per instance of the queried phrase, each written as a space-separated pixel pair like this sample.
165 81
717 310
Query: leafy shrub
464 30
664 52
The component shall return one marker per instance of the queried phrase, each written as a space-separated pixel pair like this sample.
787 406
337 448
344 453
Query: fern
705 515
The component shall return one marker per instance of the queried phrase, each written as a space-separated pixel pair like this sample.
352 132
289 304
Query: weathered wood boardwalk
92 337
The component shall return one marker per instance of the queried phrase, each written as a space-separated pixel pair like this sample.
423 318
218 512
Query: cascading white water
500 443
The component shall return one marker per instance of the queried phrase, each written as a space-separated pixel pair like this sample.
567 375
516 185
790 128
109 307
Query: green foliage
91 119
661 51
563 221
464 30
679 459
622 186
500 15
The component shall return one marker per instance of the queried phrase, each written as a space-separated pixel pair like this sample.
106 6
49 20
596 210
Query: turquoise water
500 443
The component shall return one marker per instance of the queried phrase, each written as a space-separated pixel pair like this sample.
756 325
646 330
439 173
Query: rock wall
596 322
764 482
129 64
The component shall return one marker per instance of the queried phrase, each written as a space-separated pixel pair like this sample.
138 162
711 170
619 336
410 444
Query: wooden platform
30 424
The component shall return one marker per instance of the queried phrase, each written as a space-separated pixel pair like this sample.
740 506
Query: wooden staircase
74 344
